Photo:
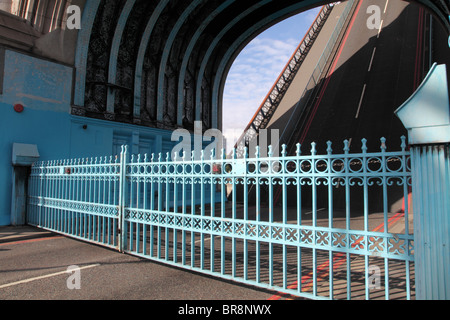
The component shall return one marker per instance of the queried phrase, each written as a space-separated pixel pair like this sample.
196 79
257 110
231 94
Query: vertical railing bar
347 215
330 217
122 195
138 204
84 176
45 195
100 218
78 196
75 193
131 205
86 218
314 214
71 197
271 218
385 216
91 217
41 188
53 196
58 196
105 218
64 194
283 170
213 210
48 195
94 192
75 198
167 209
152 206
366 215
107 201
183 211
258 213
175 210
234 215
145 205
202 212
116 221
107 231
245 185
97 191
299 217
70 214
160 199
222 211
193 204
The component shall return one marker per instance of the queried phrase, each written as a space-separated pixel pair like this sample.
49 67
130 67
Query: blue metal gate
315 226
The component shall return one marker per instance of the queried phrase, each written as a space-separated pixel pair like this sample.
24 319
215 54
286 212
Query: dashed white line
385 8
381 26
361 101
371 60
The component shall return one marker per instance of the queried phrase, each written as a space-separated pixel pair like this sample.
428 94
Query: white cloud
250 80
255 71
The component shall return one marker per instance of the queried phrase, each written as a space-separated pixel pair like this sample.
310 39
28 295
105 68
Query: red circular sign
18 108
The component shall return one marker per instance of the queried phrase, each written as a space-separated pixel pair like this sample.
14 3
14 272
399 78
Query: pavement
10 234
34 265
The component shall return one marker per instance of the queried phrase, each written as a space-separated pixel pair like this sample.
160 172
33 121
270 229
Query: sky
256 69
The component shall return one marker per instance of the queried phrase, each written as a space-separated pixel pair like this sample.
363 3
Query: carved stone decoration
126 63
189 101
98 58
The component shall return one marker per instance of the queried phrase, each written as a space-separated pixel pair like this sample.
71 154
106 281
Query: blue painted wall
44 88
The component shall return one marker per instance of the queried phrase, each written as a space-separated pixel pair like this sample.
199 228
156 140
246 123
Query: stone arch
169 67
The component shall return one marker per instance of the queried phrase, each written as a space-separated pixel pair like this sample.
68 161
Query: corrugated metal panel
431 194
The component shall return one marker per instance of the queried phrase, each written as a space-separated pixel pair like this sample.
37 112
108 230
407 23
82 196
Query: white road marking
361 101
385 8
44 277
371 60
381 26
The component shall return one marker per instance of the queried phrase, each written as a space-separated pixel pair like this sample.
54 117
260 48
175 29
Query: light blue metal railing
311 246
78 197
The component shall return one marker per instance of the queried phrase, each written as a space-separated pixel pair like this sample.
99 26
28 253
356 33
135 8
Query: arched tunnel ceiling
163 63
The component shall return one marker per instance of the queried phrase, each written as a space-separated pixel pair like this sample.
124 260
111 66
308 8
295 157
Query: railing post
122 197
431 205
426 115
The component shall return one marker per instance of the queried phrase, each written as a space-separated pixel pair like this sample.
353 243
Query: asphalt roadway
376 68
35 265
